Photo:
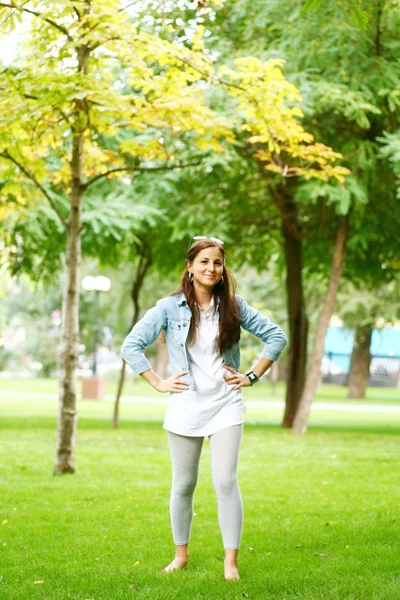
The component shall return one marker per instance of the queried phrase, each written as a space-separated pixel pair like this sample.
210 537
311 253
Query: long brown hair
229 317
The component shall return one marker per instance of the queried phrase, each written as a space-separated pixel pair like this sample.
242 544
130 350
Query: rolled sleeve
143 334
262 327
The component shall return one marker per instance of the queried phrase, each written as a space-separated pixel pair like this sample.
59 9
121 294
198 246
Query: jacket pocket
174 327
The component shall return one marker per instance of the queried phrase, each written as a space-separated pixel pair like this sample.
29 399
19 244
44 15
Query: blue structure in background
385 345
339 345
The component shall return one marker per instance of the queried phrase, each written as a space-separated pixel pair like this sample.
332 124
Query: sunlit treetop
135 100
267 105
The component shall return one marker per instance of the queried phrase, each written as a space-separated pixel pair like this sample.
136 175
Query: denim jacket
173 315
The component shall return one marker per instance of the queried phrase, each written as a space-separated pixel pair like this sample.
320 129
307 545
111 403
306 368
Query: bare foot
231 572
177 563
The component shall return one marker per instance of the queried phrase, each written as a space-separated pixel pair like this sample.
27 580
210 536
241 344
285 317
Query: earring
222 280
190 277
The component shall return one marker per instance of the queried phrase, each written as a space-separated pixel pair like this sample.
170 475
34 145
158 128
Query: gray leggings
185 455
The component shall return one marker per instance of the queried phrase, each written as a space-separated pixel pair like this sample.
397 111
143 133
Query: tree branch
37 14
127 6
223 81
115 37
132 169
35 181
76 11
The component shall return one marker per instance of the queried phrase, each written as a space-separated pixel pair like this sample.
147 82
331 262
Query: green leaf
310 5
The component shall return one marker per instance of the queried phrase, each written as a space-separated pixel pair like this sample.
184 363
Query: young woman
201 321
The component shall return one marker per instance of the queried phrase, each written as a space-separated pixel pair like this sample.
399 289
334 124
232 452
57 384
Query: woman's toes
177 563
231 573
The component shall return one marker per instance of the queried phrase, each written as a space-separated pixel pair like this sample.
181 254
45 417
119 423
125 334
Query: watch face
252 376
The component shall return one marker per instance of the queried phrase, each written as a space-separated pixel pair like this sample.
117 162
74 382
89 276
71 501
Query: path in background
322 406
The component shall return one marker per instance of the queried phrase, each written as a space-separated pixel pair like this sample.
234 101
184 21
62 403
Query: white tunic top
215 404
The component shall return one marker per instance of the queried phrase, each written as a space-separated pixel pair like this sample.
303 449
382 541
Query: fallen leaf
251 549
347 547
321 555
4 522
37 582
133 586
136 564
96 558
268 553
330 523
334 456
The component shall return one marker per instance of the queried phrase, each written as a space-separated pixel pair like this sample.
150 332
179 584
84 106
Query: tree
301 419
363 307
63 106
348 78
144 261
291 153
360 362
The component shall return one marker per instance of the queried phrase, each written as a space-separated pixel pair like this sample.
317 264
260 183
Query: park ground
322 511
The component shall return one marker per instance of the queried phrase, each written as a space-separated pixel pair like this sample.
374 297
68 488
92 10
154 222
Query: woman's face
207 267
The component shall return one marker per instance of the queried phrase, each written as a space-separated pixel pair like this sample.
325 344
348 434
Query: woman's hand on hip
236 379
173 384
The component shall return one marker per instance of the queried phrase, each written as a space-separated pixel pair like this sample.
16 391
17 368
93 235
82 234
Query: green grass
322 512
322 517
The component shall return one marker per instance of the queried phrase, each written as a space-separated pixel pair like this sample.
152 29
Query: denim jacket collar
181 300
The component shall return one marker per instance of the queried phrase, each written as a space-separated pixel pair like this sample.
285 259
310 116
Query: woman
201 321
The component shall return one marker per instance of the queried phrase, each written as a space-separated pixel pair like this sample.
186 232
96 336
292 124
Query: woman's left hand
236 379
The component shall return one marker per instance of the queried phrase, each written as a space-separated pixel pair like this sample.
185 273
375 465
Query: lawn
322 513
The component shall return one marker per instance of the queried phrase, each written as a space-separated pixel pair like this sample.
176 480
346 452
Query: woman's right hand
173 384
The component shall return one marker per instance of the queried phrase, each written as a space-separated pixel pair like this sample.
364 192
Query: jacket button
182 345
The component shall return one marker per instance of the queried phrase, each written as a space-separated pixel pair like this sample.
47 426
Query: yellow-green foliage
136 93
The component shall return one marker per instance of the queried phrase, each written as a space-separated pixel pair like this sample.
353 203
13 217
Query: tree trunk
298 322
67 416
145 261
301 419
66 428
360 361
298 329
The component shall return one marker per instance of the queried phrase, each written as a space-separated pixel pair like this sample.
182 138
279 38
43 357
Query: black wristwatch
252 376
